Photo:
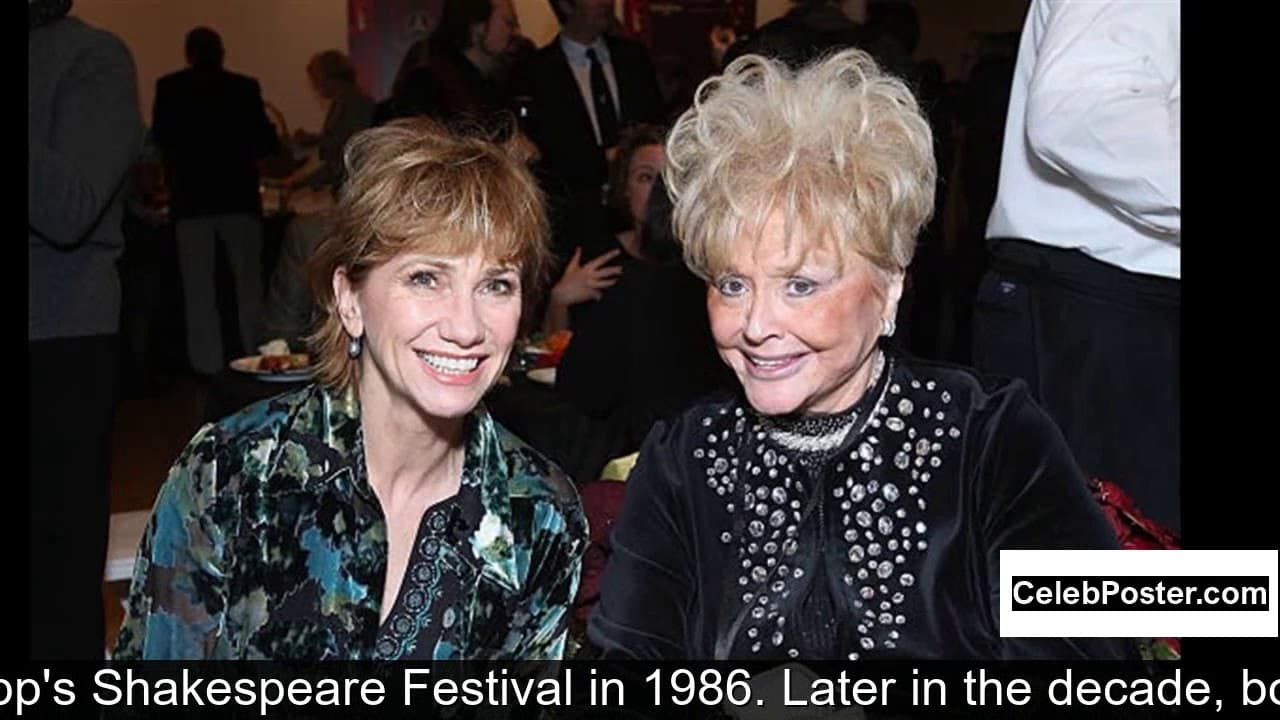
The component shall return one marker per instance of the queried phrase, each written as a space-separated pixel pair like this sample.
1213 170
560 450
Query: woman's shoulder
983 411
716 411
998 417
685 439
245 445
532 475
266 418
958 385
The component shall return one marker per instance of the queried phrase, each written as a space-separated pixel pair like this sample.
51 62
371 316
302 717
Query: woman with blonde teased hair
850 502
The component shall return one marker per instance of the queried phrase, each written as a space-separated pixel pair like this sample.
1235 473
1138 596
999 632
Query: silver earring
889 327
353 347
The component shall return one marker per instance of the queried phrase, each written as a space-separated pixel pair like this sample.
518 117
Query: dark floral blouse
267 542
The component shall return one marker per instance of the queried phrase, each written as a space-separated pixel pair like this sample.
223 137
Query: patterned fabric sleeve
559 542
177 596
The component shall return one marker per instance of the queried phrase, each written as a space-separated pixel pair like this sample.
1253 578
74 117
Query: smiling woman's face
437 330
799 339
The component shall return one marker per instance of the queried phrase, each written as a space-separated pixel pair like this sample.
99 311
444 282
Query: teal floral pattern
267 542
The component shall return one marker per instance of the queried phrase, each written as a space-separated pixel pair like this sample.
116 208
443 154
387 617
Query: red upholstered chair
602 501
1136 531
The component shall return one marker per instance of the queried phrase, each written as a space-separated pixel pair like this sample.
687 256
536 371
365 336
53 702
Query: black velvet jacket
727 547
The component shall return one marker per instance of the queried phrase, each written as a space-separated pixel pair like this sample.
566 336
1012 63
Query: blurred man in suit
582 88
212 128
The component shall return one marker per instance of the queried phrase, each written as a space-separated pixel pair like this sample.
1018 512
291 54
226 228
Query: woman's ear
893 293
347 303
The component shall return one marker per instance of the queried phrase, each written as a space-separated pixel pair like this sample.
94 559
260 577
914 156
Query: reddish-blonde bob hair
414 185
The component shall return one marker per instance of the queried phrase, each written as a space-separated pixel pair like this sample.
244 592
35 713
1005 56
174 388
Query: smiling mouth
771 365
449 365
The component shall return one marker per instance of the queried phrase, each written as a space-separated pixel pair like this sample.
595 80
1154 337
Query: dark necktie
606 115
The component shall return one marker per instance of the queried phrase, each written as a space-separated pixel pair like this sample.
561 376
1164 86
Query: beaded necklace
814 438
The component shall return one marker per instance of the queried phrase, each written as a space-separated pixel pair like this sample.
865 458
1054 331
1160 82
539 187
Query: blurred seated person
350 110
597 263
644 350
289 308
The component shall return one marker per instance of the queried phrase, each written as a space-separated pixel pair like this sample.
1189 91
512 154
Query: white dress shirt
1092 147
576 54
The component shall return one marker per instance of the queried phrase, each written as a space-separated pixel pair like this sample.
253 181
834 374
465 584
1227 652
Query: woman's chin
450 398
769 401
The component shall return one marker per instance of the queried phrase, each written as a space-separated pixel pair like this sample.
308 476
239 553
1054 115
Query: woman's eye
423 278
500 286
799 287
731 286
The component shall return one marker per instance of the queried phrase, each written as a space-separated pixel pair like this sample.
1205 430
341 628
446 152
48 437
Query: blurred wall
269 39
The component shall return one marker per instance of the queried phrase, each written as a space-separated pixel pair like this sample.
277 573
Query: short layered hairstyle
415 185
839 147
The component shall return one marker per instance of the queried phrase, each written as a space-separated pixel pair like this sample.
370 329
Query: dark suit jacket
212 129
573 166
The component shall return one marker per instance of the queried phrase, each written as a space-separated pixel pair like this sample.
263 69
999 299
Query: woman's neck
863 381
408 455
816 435
630 242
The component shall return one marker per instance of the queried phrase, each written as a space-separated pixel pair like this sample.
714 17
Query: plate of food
275 363
545 352
544 375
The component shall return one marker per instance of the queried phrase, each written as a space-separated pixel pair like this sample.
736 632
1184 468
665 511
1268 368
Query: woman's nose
462 325
761 322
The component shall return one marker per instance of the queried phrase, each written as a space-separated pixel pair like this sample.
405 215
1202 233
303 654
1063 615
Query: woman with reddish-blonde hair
380 513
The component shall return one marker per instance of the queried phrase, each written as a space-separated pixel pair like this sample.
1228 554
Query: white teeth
768 363
450 365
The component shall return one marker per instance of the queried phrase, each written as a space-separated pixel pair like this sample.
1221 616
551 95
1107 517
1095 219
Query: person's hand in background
581 282
585 281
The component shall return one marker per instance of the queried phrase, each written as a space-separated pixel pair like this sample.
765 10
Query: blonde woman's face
437 329
801 340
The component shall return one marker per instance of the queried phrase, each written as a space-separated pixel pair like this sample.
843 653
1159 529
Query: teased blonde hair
414 186
839 147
